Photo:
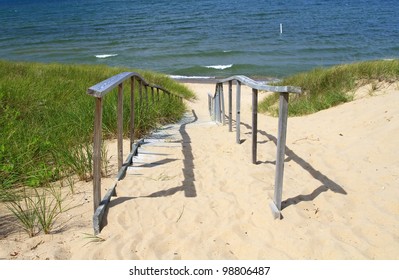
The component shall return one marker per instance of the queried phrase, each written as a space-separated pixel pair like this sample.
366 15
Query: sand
193 193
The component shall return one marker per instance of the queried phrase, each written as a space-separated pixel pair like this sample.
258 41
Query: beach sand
193 193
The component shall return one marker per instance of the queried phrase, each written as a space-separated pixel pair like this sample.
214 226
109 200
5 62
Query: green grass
46 119
37 210
325 88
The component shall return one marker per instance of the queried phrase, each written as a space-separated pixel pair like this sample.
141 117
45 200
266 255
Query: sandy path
194 194
205 200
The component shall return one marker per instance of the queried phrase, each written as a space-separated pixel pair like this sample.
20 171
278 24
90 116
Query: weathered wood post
132 105
223 112
146 98
214 107
230 106
217 103
238 113
254 124
152 96
210 104
281 142
120 125
97 152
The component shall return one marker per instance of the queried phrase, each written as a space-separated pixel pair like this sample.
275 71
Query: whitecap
105 55
220 67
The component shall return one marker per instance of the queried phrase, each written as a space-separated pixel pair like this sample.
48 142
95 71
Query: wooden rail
98 91
216 108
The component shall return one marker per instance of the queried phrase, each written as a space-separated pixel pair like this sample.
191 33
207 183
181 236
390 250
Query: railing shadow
188 186
157 163
327 183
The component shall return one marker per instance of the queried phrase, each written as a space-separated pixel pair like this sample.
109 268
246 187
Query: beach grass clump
23 211
37 209
46 119
324 88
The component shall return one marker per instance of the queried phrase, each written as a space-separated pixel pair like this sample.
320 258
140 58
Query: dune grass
46 119
327 87
37 209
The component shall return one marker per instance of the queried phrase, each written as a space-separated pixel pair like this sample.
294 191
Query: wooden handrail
260 85
98 91
102 88
218 110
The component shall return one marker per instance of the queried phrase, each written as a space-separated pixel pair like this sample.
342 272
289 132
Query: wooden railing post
97 153
132 105
223 112
238 113
217 103
281 142
254 124
120 125
230 106
146 98
210 104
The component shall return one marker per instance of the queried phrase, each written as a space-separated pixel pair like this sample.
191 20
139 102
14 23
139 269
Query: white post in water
281 28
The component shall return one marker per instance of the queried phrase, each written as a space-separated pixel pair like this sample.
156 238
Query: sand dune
193 193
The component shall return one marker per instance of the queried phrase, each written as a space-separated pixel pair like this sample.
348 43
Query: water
201 37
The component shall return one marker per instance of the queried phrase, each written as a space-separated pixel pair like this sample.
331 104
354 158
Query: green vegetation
325 88
46 119
37 210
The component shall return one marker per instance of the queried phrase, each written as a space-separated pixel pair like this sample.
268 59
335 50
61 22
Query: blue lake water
201 37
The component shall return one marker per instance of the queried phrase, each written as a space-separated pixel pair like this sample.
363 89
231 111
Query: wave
220 67
105 55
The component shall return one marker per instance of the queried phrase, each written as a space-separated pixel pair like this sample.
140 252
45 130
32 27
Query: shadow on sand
187 186
327 183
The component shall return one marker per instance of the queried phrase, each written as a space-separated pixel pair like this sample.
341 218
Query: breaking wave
105 55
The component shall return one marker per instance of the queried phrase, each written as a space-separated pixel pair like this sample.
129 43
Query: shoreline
214 80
